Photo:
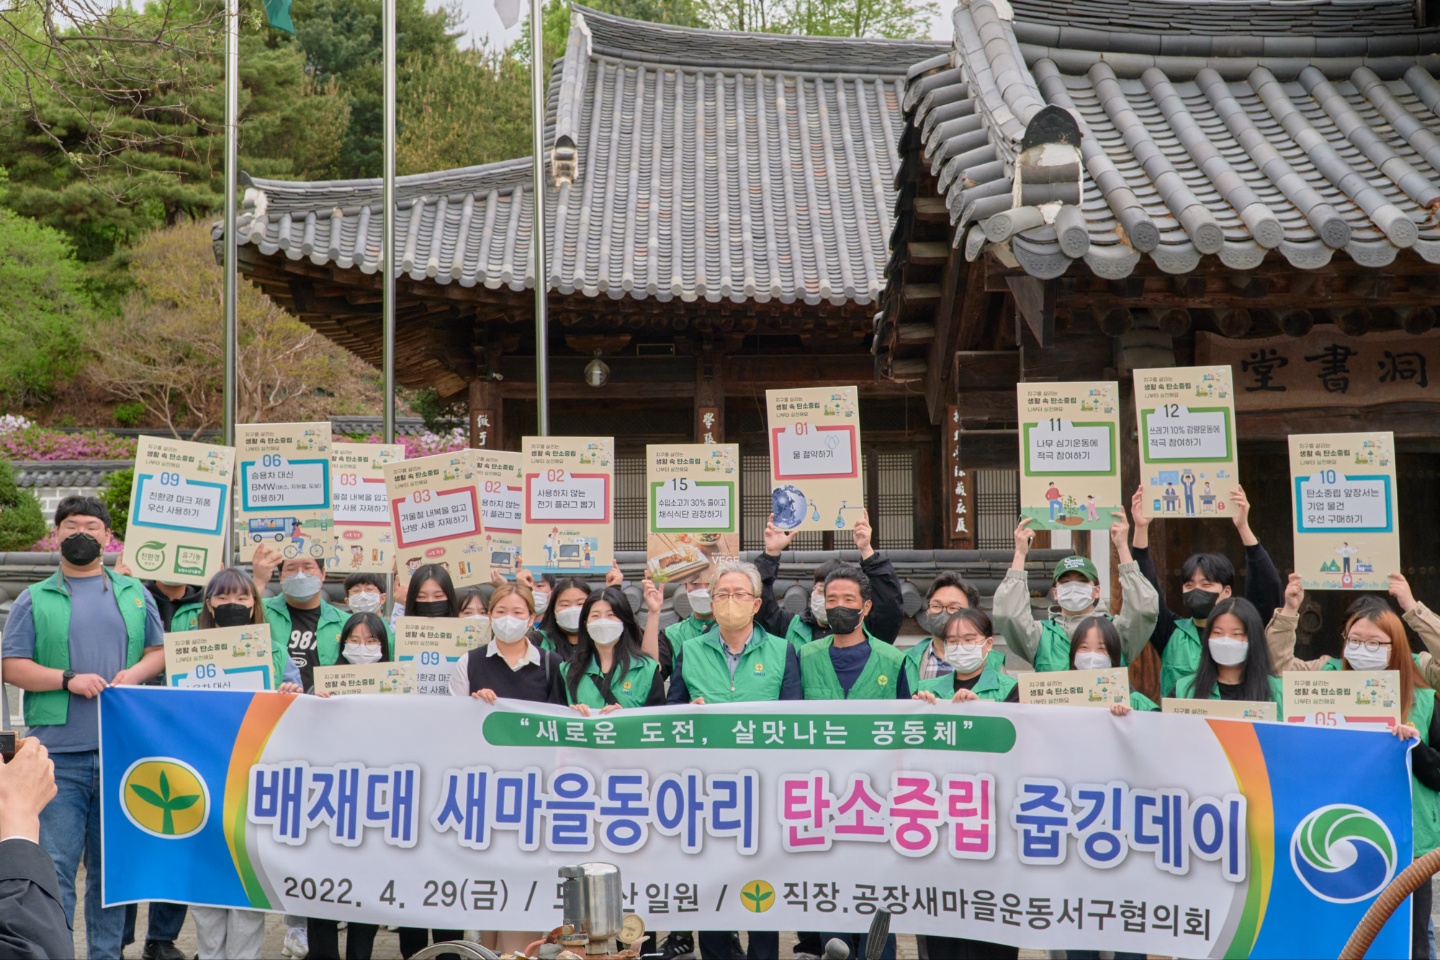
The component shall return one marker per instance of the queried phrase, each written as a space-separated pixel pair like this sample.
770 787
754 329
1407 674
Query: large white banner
1047 827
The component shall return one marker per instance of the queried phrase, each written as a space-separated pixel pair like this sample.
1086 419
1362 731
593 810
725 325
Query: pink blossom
40 443
47 544
428 444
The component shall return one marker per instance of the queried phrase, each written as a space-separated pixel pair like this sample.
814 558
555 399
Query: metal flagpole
387 242
232 172
537 240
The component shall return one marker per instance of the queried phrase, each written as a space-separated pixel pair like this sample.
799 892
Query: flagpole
537 241
232 172
387 242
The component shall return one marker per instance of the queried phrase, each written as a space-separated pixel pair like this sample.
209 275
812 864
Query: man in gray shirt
68 638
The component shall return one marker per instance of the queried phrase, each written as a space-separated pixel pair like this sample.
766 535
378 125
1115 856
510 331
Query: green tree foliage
21 522
555 21
115 494
43 310
463 107
898 19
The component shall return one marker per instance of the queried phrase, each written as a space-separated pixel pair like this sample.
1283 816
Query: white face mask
569 619
1360 658
965 657
542 600
1092 661
605 631
817 608
362 652
1229 652
509 629
699 601
1074 596
365 601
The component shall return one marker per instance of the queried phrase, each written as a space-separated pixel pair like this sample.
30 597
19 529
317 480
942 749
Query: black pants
325 939
1420 904
415 939
715 945
956 948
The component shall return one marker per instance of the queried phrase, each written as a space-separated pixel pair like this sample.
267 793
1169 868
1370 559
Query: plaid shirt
932 666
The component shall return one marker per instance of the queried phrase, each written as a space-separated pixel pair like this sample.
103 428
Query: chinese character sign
815 465
1342 488
1188 462
500 475
1367 699
693 499
383 677
1069 458
282 489
433 645
178 505
222 658
1033 826
1326 368
435 512
569 504
364 541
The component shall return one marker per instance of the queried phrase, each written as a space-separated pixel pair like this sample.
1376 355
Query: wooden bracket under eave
1035 302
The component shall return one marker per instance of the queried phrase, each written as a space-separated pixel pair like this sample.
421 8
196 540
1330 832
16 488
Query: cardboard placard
1228 709
433 645
569 504
1076 688
178 507
1342 491
364 540
1186 420
435 513
1367 699
500 475
282 489
692 494
222 658
816 468
1069 454
383 677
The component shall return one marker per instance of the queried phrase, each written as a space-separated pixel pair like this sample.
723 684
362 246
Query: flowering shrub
47 544
428 444
37 443
12 422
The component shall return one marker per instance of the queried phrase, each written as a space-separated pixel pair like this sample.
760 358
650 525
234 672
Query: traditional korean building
1096 186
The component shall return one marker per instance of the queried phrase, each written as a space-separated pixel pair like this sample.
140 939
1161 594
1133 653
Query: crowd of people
562 641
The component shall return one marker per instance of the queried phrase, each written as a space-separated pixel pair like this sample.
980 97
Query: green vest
630 691
915 656
327 633
50 606
186 617
683 632
1185 690
992 685
758 676
1181 657
878 681
1053 652
1138 701
800 633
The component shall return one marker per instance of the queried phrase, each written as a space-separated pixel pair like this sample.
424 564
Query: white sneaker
297 943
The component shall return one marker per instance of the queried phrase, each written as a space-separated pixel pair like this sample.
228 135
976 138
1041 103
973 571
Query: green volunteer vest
992 685
800 633
1185 690
186 617
1138 701
683 632
50 606
327 633
915 656
1181 657
758 676
878 681
1053 652
632 690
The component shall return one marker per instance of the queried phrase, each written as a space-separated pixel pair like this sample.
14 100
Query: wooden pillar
487 413
709 398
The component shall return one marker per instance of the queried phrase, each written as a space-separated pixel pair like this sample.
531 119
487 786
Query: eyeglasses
936 608
965 640
1371 645
742 597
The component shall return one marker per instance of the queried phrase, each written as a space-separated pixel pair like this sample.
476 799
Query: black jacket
32 921
887 608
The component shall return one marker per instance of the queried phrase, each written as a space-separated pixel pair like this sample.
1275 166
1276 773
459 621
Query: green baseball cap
1077 564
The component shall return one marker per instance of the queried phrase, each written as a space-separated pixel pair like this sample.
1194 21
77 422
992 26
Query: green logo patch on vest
882 679
759 668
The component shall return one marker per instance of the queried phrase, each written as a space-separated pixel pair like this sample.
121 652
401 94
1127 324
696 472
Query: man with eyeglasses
949 593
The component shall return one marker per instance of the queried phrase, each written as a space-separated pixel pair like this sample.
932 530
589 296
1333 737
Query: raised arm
1136 620
887 607
1140 539
650 642
771 615
1011 606
1424 622
1280 633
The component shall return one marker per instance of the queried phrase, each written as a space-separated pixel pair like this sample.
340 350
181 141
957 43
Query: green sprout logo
757 896
165 798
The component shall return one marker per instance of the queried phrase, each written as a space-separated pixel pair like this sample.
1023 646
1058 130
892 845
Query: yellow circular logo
626 685
165 798
757 896
759 668
883 680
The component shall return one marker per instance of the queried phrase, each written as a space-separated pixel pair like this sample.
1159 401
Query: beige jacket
1015 621
1280 637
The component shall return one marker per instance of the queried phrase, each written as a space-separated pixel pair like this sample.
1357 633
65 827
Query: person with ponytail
608 670
1234 660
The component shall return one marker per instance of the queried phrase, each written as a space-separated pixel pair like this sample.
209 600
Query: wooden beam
928 253
947 327
1035 300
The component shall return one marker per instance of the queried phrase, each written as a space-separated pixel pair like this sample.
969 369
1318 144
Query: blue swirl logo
1343 853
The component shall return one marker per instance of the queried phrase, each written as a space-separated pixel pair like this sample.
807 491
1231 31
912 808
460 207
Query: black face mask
1199 603
232 615
80 549
430 608
843 620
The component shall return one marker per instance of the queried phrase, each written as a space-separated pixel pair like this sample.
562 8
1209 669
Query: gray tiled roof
1301 142
31 474
706 165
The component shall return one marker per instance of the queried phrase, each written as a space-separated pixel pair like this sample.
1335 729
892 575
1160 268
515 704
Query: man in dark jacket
32 919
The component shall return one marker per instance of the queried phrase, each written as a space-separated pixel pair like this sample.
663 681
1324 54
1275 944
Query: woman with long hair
560 626
1234 660
608 670
1095 645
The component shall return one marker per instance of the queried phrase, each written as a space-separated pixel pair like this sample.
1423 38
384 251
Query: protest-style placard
1342 489
815 463
435 513
433 645
1186 420
1228 709
1076 688
500 475
282 482
364 541
1069 456
178 506
569 504
383 677
1367 699
222 658
692 493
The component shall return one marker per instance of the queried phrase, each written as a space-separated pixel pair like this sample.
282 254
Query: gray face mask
934 623
300 586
